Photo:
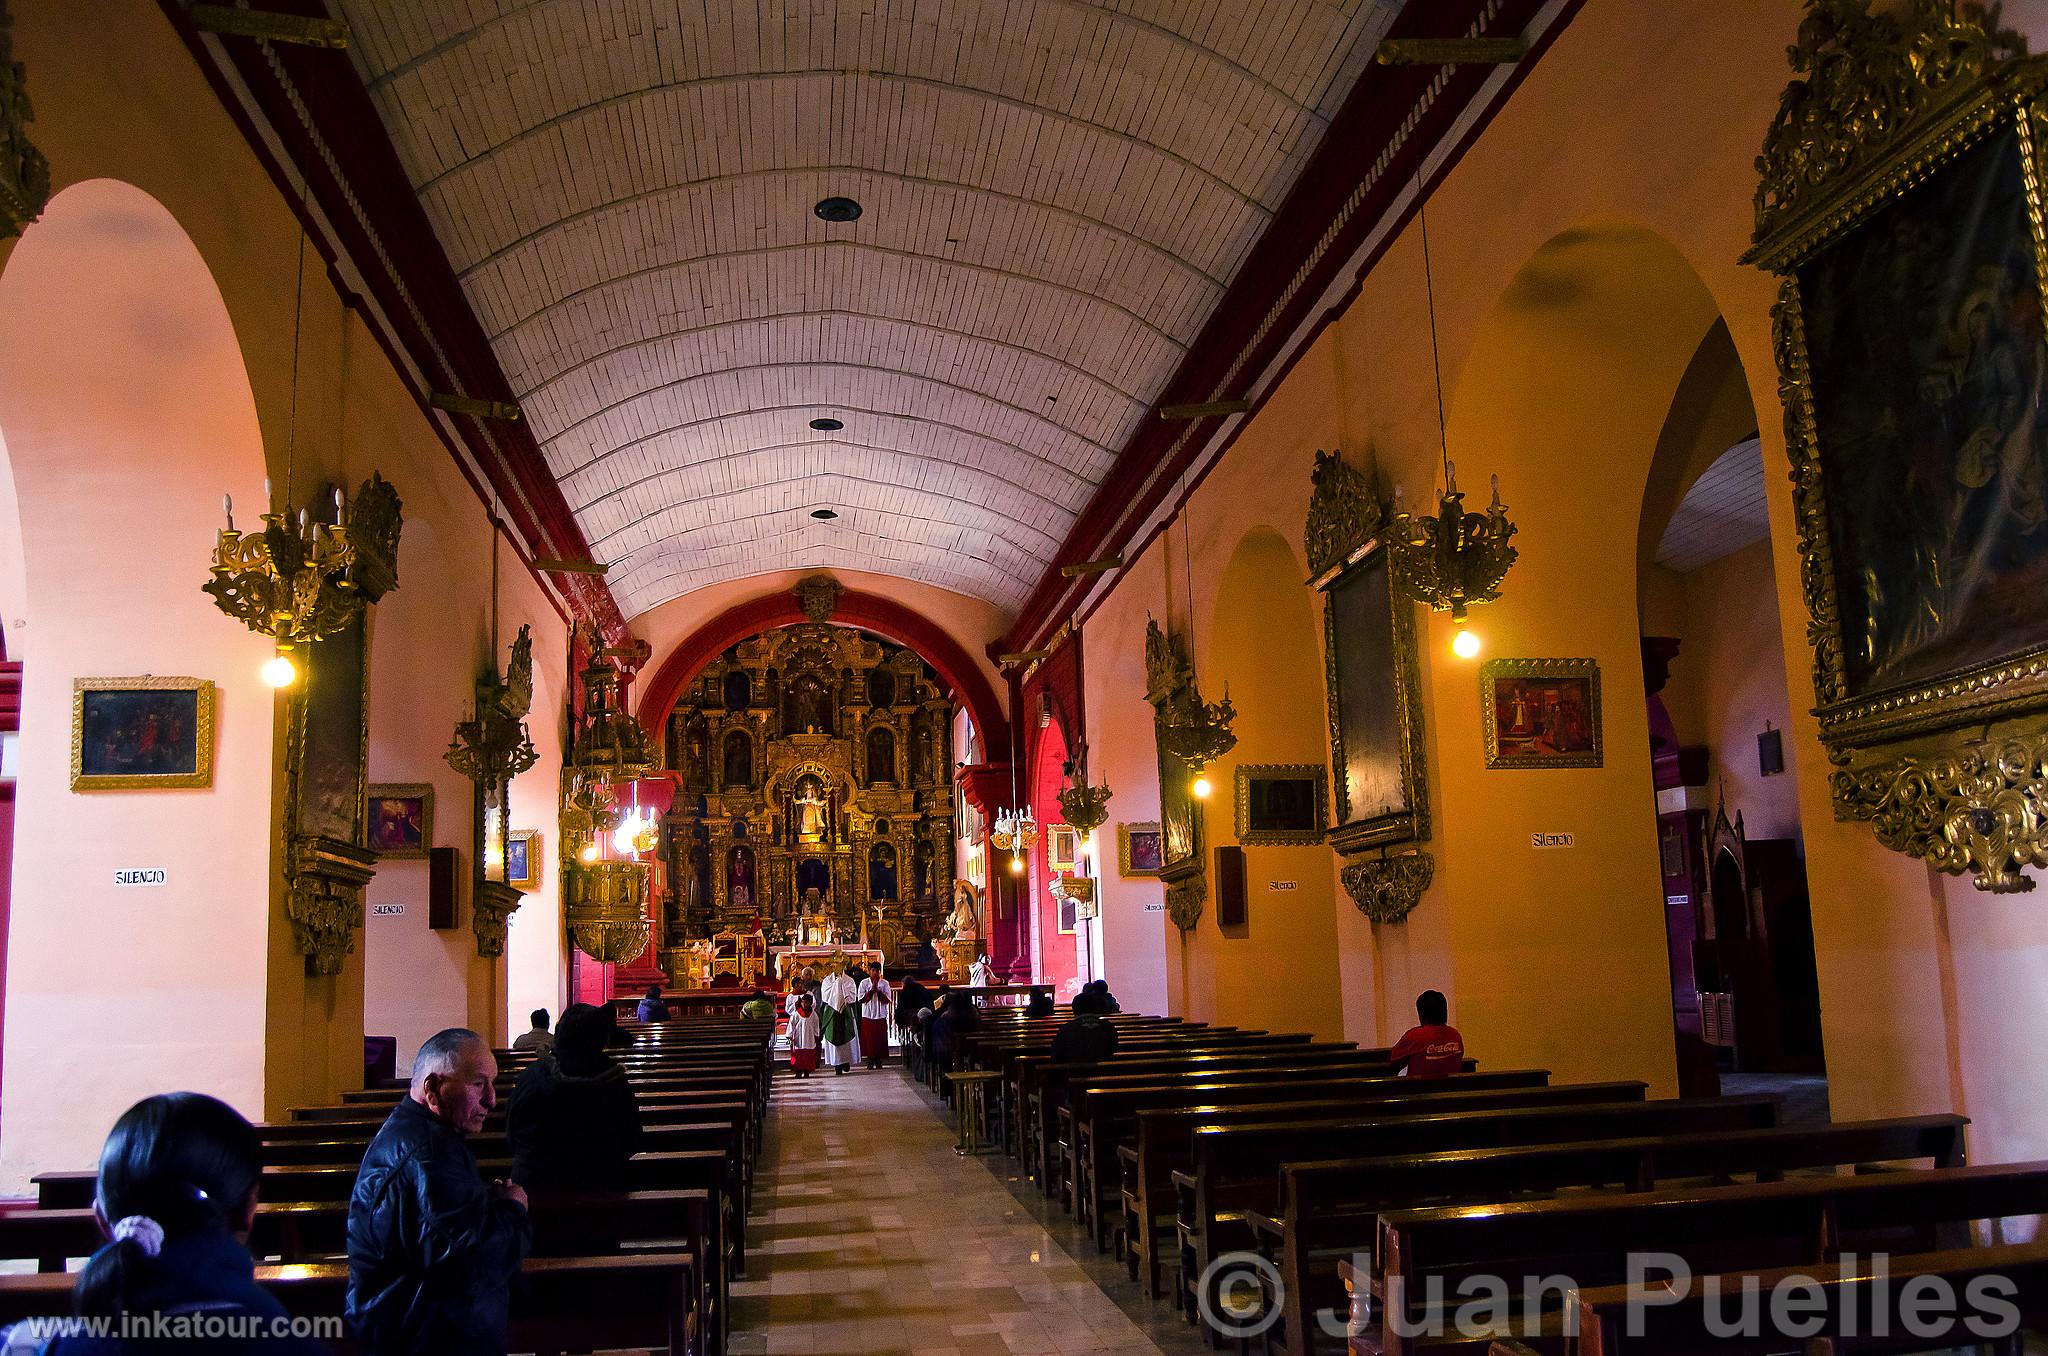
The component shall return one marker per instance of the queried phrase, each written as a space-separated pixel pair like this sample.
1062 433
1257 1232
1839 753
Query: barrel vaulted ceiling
1055 195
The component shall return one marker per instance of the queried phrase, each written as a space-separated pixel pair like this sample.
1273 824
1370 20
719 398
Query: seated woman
176 1199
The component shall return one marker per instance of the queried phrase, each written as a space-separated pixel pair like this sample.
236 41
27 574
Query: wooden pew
1162 1143
1330 1211
565 1304
1234 1167
1877 1296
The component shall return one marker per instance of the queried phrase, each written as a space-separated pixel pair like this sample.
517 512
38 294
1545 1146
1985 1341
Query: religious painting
331 723
738 760
139 733
882 872
1375 707
1062 846
809 809
401 820
1280 804
1541 712
739 884
1140 849
881 755
1924 340
522 859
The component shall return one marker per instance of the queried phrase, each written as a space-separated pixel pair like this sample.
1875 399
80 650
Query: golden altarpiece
812 796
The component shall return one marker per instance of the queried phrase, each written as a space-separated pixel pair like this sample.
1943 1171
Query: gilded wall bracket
324 899
1387 889
491 908
1979 809
1185 896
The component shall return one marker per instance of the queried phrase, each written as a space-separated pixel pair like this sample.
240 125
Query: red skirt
803 1061
874 1038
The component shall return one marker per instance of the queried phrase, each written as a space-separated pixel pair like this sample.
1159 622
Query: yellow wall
1583 250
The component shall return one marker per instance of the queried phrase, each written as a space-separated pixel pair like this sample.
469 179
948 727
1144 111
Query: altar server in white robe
876 997
838 1000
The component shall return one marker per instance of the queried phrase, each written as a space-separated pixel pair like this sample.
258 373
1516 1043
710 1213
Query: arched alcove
1565 393
1263 644
127 411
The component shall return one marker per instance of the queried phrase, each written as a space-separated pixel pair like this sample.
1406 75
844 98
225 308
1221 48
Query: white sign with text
131 876
1552 840
387 911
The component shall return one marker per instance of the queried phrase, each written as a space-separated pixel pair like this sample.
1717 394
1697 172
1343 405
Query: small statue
964 923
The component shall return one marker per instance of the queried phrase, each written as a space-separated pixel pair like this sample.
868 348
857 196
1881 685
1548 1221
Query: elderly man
432 1247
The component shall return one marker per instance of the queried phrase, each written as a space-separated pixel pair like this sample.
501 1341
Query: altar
787 960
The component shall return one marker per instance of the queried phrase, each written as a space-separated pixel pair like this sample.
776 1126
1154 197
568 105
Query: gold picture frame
527 841
142 734
1062 846
1266 817
1541 713
1909 150
1144 862
399 823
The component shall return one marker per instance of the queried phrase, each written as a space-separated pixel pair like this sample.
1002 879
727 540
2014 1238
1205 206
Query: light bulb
1088 843
1465 644
1202 788
1016 866
589 853
279 671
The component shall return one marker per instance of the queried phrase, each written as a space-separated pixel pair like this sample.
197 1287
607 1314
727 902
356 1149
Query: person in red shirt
1434 1049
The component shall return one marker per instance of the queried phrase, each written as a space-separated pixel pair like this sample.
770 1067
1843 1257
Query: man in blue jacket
432 1247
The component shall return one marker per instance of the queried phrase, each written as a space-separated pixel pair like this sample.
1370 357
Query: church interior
1272 508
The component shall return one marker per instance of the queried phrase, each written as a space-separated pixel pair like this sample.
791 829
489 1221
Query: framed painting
1901 209
1375 706
401 821
1140 849
1281 803
522 859
131 734
1540 712
1062 846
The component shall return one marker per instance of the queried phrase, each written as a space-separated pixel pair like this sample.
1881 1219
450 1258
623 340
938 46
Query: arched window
881 688
739 759
881 754
739 690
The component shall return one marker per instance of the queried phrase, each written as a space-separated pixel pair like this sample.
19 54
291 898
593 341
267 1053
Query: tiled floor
870 1237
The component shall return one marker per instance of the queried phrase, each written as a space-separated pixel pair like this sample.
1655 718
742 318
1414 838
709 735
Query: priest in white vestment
838 999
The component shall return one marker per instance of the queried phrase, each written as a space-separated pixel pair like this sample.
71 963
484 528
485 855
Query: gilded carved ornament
818 596
1950 770
24 173
1387 889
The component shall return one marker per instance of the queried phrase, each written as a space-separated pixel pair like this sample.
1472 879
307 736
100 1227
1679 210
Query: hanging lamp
1453 558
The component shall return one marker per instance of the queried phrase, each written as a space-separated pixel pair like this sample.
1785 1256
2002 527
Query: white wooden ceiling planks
1055 195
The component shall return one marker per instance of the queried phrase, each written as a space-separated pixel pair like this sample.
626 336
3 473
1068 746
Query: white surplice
838 993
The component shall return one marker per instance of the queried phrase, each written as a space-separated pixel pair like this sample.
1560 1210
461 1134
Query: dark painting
139 733
1369 697
518 859
1280 804
1924 337
1543 720
331 776
399 826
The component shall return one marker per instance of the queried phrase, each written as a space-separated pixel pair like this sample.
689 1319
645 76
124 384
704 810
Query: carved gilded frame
201 775
419 791
1411 823
1494 670
1952 770
1311 773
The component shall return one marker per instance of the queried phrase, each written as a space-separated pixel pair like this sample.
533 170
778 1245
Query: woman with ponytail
176 1199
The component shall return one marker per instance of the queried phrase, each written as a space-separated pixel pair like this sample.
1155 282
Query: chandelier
612 744
492 746
1015 829
1081 805
1455 558
1194 731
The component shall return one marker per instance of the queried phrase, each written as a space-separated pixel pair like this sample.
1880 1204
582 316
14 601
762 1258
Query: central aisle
870 1236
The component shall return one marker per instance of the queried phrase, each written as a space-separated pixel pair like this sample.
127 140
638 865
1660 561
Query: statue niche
738 690
807 707
881 754
881 688
739 758
882 872
809 809
740 877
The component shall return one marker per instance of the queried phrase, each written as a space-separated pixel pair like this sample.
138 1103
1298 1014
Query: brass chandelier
492 746
1081 805
1453 559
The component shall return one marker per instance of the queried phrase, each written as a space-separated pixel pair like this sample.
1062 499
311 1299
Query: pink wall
1721 697
126 412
